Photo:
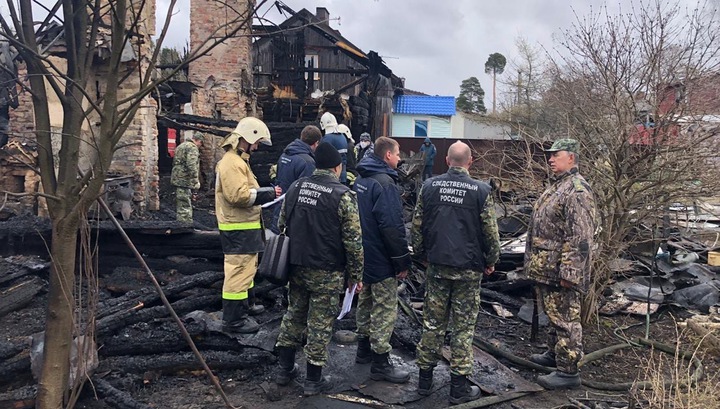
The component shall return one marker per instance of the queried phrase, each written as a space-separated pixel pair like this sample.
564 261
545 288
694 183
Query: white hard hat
328 123
252 130
343 129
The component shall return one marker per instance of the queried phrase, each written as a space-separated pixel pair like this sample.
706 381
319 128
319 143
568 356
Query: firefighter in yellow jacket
237 205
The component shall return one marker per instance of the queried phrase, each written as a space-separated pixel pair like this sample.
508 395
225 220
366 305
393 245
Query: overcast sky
434 44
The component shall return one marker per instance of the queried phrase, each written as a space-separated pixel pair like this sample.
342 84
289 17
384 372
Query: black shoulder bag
275 263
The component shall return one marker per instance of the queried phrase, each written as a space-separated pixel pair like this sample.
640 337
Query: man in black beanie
320 215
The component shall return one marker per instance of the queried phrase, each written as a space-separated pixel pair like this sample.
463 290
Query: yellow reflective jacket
238 214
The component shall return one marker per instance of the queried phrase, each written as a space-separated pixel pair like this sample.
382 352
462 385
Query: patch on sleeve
578 185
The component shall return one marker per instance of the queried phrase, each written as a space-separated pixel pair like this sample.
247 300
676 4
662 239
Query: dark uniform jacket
313 223
296 161
381 218
451 207
560 235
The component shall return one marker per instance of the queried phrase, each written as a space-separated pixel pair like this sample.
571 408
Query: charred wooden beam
15 368
357 71
175 362
121 319
148 296
114 397
505 299
166 339
22 398
259 30
9 277
12 347
196 119
157 242
352 84
21 294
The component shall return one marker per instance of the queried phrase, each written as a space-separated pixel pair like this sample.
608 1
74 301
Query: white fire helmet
343 129
252 130
328 122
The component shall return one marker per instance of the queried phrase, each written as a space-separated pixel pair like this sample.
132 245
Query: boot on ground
364 353
235 318
383 370
461 391
547 359
254 308
288 368
314 381
559 380
425 382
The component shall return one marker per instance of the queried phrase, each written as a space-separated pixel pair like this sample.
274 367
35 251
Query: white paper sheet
277 200
347 301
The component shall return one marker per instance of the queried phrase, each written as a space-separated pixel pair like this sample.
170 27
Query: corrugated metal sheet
424 105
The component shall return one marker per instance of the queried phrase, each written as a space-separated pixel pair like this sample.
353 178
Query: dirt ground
254 387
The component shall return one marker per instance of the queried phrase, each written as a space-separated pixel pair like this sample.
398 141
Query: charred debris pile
138 342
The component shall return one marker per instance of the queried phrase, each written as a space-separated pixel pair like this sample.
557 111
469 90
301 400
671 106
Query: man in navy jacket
296 161
386 258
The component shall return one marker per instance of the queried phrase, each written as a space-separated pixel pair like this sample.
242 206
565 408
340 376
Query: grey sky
433 45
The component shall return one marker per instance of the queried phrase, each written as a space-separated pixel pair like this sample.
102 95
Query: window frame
427 128
315 58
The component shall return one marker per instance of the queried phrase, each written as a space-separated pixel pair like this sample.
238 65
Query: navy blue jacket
296 161
381 218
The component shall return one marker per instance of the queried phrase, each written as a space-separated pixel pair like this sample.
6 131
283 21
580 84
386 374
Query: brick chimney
323 15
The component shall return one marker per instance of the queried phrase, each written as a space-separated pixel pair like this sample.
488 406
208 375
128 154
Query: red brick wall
224 75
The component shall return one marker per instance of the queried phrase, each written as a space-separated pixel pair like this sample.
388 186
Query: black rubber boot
461 391
314 381
559 380
547 358
254 308
425 382
235 318
382 370
288 368
364 353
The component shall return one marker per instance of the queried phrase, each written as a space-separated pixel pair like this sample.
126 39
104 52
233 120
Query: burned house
288 75
132 178
303 68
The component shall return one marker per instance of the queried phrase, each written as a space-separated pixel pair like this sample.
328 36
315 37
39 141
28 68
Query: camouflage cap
570 145
198 136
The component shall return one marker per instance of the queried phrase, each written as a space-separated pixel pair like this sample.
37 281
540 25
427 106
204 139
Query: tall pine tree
471 97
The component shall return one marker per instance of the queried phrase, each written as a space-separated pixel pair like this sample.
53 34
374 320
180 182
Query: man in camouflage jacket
454 224
558 259
326 256
185 176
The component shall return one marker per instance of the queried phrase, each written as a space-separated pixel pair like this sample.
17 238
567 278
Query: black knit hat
326 156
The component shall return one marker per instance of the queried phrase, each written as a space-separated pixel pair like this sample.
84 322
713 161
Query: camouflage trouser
445 298
183 204
311 309
562 307
376 313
